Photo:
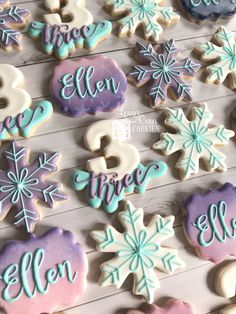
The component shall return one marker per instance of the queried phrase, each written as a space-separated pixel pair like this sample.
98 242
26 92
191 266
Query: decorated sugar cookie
12 18
41 274
17 116
73 9
224 56
195 140
62 42
209 9
22 185
164 72
88 85
210 223
138 251
149 14
109 186
173 306
225 285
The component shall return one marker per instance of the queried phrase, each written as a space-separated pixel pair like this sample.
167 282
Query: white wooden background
193 284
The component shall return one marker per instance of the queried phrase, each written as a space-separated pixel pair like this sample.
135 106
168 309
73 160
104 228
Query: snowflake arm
195 140
224 56
138 251
22 185
164 71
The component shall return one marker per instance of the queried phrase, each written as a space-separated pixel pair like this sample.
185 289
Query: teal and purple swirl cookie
209 9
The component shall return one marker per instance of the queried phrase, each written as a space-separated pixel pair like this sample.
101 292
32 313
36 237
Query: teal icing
82 80
215 223
31 264
196 3
106 190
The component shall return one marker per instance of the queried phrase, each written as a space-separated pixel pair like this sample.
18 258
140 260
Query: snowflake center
196 137
20 185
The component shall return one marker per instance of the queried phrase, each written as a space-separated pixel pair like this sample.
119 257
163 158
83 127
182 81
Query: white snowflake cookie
147 13
138 251
224 55
195 139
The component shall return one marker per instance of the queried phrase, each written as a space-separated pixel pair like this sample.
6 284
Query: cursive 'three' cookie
172 306
138 251
199 10
210 223
195 139
88 85
221 52
164 71
42 274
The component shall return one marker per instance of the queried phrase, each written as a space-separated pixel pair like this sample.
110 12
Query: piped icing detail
146 13
172 306
12 18
88 85
195 140
138 251
224 56
21 185
210 223
41 274
59 40
163 71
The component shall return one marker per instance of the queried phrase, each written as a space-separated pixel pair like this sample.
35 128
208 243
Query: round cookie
88 85
199 10
42 274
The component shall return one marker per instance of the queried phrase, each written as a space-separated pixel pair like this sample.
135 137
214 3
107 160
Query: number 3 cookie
74 9
18 118
108 186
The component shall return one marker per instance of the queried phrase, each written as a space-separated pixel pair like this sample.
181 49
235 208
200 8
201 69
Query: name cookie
138 251
72 9
164 72
195 140
18 117
149 14
222 57
62 42
109 186
209 9
173 306
210 223
88 85
12 18
22 185
41 274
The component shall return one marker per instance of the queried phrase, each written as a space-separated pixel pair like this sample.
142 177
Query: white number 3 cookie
225 285
13 98
74 10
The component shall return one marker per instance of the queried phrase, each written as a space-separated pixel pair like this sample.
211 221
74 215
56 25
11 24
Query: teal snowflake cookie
21 185
224 55
138 251
147 13
164 71
195 139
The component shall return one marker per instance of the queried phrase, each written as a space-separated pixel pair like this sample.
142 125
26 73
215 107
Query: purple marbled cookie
210 223
209 9
88 85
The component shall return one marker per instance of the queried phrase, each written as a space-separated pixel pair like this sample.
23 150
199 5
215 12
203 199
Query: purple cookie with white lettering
42 274
88 85
210 223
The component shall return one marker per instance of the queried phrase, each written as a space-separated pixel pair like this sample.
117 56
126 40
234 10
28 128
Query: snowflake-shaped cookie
224 56
164 71
195 140
173 306
138 251
147 13
11 17
21 185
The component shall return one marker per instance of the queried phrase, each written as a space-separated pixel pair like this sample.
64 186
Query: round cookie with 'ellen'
201 10
88 85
